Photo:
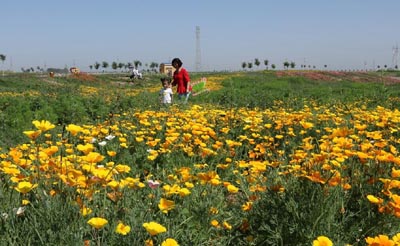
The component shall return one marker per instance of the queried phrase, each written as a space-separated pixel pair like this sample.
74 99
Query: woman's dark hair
177 60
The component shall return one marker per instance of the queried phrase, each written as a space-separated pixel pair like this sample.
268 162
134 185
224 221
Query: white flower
102 143
20 211
4 215
93 140
110 137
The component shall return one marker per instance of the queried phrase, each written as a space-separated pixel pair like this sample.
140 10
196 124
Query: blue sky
342 34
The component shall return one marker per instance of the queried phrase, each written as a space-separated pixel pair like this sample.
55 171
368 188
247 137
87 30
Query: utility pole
395 57
198 51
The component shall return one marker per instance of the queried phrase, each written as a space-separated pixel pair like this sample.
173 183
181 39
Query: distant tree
104 64
325 66
154 66
90 67
244 65
97 65
2 58
266 64
137 64
257 62
121 65
249 65
286 64
396 67
114 65
385 66
273 66
292 64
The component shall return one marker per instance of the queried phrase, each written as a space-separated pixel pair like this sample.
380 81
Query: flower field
208 174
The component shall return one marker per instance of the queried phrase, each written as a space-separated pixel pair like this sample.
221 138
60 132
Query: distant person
166 94
135 74
181 79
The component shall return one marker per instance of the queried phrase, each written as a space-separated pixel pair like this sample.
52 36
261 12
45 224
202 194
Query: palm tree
266 64
273 66
249 65
292 64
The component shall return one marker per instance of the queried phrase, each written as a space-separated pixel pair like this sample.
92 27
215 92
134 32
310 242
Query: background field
261 158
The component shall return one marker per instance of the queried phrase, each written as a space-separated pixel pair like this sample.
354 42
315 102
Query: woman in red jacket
181 79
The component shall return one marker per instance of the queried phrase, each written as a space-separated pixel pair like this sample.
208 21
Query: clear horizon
341 34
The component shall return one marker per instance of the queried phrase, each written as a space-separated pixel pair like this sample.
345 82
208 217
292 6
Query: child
166 93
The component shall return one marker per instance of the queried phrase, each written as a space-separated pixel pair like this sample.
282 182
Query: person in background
135 74
181 79
166 94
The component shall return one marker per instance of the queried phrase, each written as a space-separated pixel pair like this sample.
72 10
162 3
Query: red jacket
181 79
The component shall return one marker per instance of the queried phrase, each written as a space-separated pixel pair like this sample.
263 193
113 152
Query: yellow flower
232 189
25 202
24 187
94 157
169 242
86 149
214 223
227 225
111 153
184 192
148 242
86 211
374 199
122 229
43 125
32 134
379 240
322 241
247 206
166 205
74 129
153 228
97 222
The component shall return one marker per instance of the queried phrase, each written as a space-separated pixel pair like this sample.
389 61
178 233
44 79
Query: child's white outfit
166 95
